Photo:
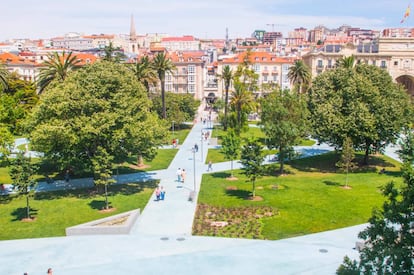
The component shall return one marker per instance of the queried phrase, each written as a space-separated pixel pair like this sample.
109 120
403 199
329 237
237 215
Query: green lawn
54 211
310 198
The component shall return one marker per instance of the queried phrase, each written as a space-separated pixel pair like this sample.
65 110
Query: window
168 78
256 67
320 63
191 78
265 78
191 88
395 63
191 69
383 64
275 77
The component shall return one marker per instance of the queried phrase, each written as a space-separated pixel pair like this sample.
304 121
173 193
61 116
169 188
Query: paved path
161 241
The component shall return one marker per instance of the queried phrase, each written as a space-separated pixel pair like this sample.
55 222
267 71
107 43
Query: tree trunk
254 188
140 160
106 197
281 159
164 112
366 157
27 206
226 107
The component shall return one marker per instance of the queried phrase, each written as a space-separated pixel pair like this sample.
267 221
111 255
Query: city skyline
203 19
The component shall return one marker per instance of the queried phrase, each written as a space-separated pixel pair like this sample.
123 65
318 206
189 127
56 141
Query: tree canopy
362 103
284 120
100 105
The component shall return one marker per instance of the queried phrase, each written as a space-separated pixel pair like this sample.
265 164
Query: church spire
132 32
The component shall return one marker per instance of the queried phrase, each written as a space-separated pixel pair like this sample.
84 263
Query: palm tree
346 62
4 75
162 65
227 77
144 72
57 67
299 74
113 54
242 101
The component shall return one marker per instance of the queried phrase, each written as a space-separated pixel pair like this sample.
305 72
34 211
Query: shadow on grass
99 204
221 175
332 183
5 199
123 189
21 213
241 194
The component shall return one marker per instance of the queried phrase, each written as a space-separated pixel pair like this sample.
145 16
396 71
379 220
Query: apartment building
184 43
396 55
270 68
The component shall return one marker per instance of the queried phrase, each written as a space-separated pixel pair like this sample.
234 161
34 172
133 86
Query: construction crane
273 26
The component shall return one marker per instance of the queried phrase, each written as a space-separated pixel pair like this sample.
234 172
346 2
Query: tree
57 68
144 72
300 75
347 62
180 107
242 103
4 75
347 156
227 77
389 238
21 173
113 54
284 118
102 167
162 65
6 142
231 147
99 105
361 103
252 158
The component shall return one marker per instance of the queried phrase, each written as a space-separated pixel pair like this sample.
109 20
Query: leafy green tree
252 158
144 72
99 105
4 75
389 238
347 156
6 142
300 75
363 104
57 68
102 167
21 173
227 77
284 118
231 147
242 103
162 65
180 107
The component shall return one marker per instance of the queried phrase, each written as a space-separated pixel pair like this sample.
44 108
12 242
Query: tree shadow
21 213
99 204
221 175
332 183
241 194
90 192
5 199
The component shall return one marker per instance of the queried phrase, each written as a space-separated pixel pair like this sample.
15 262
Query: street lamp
202 134
173 129
194 167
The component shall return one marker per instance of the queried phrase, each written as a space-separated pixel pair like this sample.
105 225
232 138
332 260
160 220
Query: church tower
132 32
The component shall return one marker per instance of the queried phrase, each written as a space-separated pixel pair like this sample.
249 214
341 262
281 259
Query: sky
203 19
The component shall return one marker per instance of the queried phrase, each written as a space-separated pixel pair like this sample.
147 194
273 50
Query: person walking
178 173
210 166
183 175
157 193
196 147
162 193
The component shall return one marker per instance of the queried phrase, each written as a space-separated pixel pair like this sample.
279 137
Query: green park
108 119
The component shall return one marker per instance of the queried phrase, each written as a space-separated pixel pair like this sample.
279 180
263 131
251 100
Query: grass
310 198
54 211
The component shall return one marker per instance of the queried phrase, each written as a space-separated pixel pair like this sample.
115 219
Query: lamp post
173 128
202 145
194 167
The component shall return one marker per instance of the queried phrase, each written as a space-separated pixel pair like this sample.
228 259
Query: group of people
160 193
181 175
